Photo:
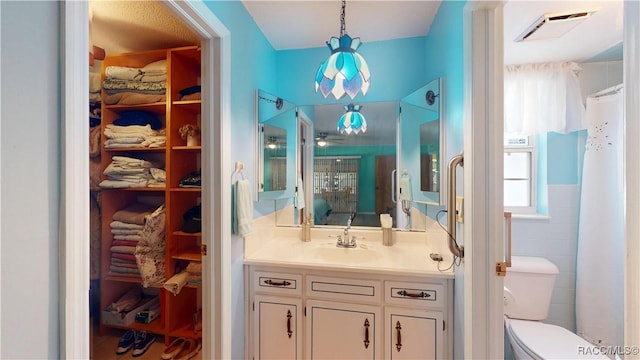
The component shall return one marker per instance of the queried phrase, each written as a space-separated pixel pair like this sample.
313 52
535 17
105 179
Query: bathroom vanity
313 300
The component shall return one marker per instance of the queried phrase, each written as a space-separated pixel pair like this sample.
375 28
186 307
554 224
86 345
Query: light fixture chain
342 22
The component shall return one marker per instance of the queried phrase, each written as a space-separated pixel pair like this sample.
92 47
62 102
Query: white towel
177 281
244 208
299 199
405 188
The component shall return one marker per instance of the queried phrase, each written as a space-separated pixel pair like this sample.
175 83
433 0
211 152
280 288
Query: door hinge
253 305
305 311
443 326
203 249
501 268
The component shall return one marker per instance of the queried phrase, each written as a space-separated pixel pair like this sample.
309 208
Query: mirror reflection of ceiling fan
323 139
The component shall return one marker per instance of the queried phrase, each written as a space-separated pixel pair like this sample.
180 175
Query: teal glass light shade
352 120
345 71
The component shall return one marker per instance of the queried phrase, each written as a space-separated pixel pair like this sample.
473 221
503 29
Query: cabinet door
277 322
413 334
342 331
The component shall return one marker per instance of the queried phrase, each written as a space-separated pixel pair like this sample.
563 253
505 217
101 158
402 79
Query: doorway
215 134
385 166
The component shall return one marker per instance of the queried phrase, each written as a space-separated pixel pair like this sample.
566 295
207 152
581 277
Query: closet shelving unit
177 311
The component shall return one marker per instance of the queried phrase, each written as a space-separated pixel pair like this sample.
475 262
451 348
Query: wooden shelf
183 71
147 188
182 233
186 189
158 108
193 106
188 255
186 148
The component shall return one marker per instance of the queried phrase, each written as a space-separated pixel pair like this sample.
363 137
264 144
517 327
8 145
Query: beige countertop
409 255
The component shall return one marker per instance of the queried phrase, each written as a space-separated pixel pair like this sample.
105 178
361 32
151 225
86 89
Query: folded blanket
196 96
128 257
119 231
124 243
176 283
134 213
134 238
132 162
133 98
125 225
123 249
194 268
113 86
117 184
123 270
124 264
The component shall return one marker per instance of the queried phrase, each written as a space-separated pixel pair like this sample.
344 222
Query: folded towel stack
126 228
135 128
125 172
148 80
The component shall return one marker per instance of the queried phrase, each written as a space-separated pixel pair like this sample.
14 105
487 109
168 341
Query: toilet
527 295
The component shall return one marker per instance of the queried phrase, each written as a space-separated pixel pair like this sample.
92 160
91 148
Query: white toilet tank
528 286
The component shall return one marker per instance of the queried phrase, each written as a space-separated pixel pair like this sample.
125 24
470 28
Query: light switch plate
459 207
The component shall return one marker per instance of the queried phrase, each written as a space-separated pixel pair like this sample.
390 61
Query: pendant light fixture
352 120
344 71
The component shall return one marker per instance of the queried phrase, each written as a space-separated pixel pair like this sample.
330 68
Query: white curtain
539 98
600 257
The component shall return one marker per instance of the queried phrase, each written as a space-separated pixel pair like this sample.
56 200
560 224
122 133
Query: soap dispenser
306 228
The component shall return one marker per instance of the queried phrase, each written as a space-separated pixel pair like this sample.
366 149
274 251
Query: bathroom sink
332 253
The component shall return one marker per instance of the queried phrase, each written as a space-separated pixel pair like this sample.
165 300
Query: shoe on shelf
174 348
142 343
126 342
191 348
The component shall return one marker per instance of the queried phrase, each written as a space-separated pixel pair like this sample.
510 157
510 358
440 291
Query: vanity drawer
414 294
344 289
277 283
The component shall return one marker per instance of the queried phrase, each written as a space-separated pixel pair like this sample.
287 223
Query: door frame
483 181
74 219
631 79
483 329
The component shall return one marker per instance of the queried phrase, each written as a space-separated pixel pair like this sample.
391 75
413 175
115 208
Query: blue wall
252 62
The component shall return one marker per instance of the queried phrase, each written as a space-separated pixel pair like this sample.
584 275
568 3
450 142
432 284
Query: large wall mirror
422 134
352 173
393 167
276 124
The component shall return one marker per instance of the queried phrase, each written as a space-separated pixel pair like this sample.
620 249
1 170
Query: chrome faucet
346 243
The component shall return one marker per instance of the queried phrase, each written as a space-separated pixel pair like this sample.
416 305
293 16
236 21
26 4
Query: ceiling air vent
553 25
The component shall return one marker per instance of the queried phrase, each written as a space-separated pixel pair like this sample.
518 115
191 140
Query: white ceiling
121 26
310 24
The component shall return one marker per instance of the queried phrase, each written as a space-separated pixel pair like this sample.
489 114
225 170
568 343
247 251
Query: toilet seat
547 341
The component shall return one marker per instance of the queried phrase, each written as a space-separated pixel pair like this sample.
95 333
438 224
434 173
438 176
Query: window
520 174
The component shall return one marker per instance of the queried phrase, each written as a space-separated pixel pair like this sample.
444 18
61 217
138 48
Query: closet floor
104 347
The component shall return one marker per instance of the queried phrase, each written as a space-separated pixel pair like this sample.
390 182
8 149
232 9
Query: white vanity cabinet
277 318
342 331
346 315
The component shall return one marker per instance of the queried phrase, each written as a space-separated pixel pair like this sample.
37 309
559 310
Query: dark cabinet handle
421 294
399 336
289 332
366 333
277 283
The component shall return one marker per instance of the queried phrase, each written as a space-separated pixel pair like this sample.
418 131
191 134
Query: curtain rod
608 91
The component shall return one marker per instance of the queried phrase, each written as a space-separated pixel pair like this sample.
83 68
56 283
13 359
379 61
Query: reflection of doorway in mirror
385 165
335 186
429 172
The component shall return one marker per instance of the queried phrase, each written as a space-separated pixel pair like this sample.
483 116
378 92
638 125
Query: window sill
530 216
